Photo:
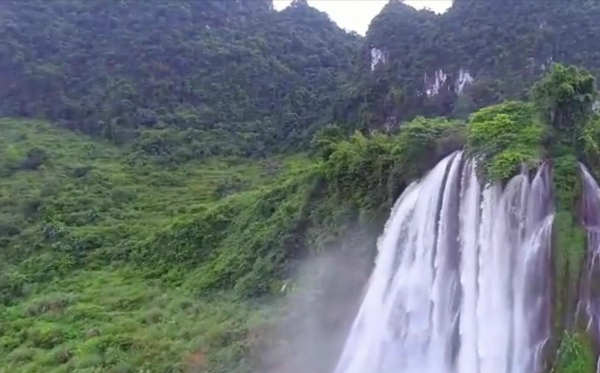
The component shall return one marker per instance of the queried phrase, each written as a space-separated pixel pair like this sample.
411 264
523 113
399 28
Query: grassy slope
112 262
72 303
114 320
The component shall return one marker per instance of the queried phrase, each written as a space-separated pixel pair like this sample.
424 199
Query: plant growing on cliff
564 99
504 137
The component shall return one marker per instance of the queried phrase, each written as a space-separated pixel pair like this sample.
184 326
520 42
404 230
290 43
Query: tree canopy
232 77
503 46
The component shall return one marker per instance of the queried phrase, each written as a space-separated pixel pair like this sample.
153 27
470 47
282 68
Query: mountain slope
113 262
478 53
237 76
81 286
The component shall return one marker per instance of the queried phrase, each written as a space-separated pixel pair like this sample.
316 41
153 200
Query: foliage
120 321
590 144
372 171
77 290
504 137
193 78
214 234
575 354
242 242
565 97
568 255
160 255
567 184
504 46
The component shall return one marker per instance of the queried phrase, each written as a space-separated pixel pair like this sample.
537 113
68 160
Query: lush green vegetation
118 320
89 198
504 46
112 261
187 79
81 287
558 126
147 240
504 138
575 354
117 260
373 171
564 99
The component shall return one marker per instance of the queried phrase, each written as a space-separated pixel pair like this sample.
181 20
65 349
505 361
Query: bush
372 171
34 159
45 335
53 303
8 229
564 98
503 138
575 354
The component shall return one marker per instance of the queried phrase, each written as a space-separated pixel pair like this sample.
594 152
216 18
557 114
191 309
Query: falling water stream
462 279
589 295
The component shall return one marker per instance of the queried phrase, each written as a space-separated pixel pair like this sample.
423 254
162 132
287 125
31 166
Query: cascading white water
589 293
461 283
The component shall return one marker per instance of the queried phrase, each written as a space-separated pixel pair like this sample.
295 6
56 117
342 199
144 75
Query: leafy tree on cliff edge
565 96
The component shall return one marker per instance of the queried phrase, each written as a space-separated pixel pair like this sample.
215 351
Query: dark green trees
565 96
198 77
504 137
477 54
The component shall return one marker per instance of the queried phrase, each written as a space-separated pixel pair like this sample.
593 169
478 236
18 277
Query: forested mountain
184 78
477 53
181 190
189 79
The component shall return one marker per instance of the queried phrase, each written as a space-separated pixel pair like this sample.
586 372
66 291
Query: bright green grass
117 321
114 188
91 188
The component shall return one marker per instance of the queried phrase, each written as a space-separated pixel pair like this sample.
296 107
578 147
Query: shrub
34 159
503 138
372 171
564 97
45 335
575 354
8 229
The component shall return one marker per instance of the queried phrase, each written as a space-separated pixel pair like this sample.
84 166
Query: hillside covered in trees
183 79
182 188
189 79
478 53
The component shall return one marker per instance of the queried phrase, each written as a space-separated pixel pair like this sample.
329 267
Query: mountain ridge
476 54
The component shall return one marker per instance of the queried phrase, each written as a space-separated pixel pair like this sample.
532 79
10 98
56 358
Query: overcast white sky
355 15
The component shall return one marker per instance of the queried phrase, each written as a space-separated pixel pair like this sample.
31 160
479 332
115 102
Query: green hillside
112 261
75 297
196 77
478 53
181 190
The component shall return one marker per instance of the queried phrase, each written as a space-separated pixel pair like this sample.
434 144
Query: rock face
476 54
377 57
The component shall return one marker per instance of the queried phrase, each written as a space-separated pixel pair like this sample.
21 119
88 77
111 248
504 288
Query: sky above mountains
355 15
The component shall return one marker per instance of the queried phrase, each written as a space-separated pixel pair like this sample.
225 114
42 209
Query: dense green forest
479 52
181 183
183 79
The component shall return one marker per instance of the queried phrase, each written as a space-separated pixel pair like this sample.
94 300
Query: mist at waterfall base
462 278
319 308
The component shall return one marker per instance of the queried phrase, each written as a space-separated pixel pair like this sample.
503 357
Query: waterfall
589 293
461 282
